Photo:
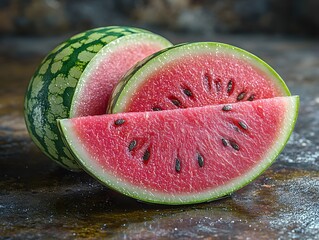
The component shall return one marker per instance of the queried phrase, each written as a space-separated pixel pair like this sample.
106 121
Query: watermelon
184 155
193 75
76 79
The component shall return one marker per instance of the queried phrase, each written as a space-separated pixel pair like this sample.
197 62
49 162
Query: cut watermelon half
182 156
107 67
194 75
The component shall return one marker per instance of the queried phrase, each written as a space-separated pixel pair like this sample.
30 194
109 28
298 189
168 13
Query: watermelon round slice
76 79
182 156
196 74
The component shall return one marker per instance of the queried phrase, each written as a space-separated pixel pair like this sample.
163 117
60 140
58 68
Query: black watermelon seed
243 125
234 145
177 165
230 87
132 145
146 155
119 122
200 160
251 97
157 109
241 96
187 92
224 141
227 108
176 102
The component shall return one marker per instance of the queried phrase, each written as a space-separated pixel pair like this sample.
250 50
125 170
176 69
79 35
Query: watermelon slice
193 75
182 156
76 79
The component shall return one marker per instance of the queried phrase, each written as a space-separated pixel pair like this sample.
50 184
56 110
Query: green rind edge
50 92
293 113
133 76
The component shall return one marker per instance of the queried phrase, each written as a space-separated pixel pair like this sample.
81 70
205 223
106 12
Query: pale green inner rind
159 60
105 52
126 188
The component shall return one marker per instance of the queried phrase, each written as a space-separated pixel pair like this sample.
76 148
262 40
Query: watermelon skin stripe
50 91
70 128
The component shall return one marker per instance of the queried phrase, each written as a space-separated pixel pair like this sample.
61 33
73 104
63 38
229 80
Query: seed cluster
228 107
232 143
147 153
208 80
242 124
199 158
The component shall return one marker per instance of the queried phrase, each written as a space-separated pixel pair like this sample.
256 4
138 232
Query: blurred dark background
55 17
29 27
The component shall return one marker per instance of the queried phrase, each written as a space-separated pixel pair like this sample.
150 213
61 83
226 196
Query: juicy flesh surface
183 135
98 87
202 80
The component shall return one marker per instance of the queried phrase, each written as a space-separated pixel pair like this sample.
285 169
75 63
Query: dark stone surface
51 17
40 200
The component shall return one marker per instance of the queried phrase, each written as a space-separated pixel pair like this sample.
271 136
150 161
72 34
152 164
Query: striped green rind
50 92
137 75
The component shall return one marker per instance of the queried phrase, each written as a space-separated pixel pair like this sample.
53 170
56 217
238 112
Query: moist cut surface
107 68
184 155
195 75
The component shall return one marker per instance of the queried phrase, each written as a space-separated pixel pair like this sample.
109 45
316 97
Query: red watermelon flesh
194 75
105 70
186 155
223 81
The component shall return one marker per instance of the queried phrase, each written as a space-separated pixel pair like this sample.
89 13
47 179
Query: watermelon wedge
77 78
194 75
182 156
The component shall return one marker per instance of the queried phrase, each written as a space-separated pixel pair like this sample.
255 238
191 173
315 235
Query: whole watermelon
54 87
